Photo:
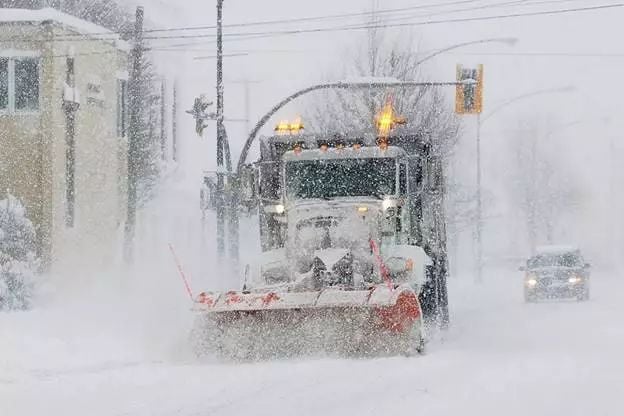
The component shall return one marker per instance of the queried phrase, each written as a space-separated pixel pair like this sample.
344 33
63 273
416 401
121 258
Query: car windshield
555 260
341 177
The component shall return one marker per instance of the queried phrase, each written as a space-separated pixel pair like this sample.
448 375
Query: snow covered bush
18 261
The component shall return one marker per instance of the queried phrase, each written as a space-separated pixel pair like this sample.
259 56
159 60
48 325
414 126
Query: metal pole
532 194
613 203
163 134
479 275
247 107
508 41
220 138
133 133
358 85
174 123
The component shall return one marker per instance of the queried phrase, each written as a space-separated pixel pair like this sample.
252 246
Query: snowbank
48 14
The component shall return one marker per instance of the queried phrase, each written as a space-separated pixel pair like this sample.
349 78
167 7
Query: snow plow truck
353 241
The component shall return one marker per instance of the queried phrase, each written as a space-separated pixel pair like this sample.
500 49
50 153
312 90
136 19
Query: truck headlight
531 282
574 279
388 203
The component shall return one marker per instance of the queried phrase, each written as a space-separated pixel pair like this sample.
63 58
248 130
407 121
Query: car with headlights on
556 272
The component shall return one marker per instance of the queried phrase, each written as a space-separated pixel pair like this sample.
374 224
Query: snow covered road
500 357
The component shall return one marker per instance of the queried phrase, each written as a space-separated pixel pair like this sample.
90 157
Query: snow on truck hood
331 256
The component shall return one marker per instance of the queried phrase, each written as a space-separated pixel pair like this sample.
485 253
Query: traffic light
199 114
469 91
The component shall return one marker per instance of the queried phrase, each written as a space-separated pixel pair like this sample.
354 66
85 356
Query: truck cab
324 199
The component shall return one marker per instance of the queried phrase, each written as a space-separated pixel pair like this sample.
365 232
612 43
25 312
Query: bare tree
426 109
544 189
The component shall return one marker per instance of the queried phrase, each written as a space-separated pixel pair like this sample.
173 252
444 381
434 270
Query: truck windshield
341 177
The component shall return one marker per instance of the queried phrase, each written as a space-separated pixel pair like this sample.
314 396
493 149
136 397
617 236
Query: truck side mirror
522 269
587 266
248 186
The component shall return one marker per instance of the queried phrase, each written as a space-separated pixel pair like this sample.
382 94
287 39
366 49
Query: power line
499 54
282 21
544 54
319 18
257 35
231 55
433 22
515 3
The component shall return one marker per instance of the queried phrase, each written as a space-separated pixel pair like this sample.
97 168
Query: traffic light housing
199 114
469 90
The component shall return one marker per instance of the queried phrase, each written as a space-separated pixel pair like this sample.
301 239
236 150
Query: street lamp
506 41
569 88
509 41
480 121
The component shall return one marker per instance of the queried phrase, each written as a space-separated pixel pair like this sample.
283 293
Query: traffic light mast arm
331 86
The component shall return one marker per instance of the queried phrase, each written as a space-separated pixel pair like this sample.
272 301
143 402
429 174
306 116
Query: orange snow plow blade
240 325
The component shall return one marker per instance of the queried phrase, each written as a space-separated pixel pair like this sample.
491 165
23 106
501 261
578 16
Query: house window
26 84
122 107
19 84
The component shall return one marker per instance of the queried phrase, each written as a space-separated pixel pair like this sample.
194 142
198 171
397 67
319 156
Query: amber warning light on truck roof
386 120
284 127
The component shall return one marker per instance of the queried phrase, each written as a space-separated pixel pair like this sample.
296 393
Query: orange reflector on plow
402 315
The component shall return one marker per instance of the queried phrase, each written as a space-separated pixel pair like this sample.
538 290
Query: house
63 150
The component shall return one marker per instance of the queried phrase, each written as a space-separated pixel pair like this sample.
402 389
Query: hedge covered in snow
18 260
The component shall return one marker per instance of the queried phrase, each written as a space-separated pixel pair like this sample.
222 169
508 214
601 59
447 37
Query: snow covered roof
71 22
364 152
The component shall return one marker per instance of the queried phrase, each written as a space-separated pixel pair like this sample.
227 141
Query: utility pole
469 100
247 107
174 123
220 138
247 97
479 276
163 115
133 133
